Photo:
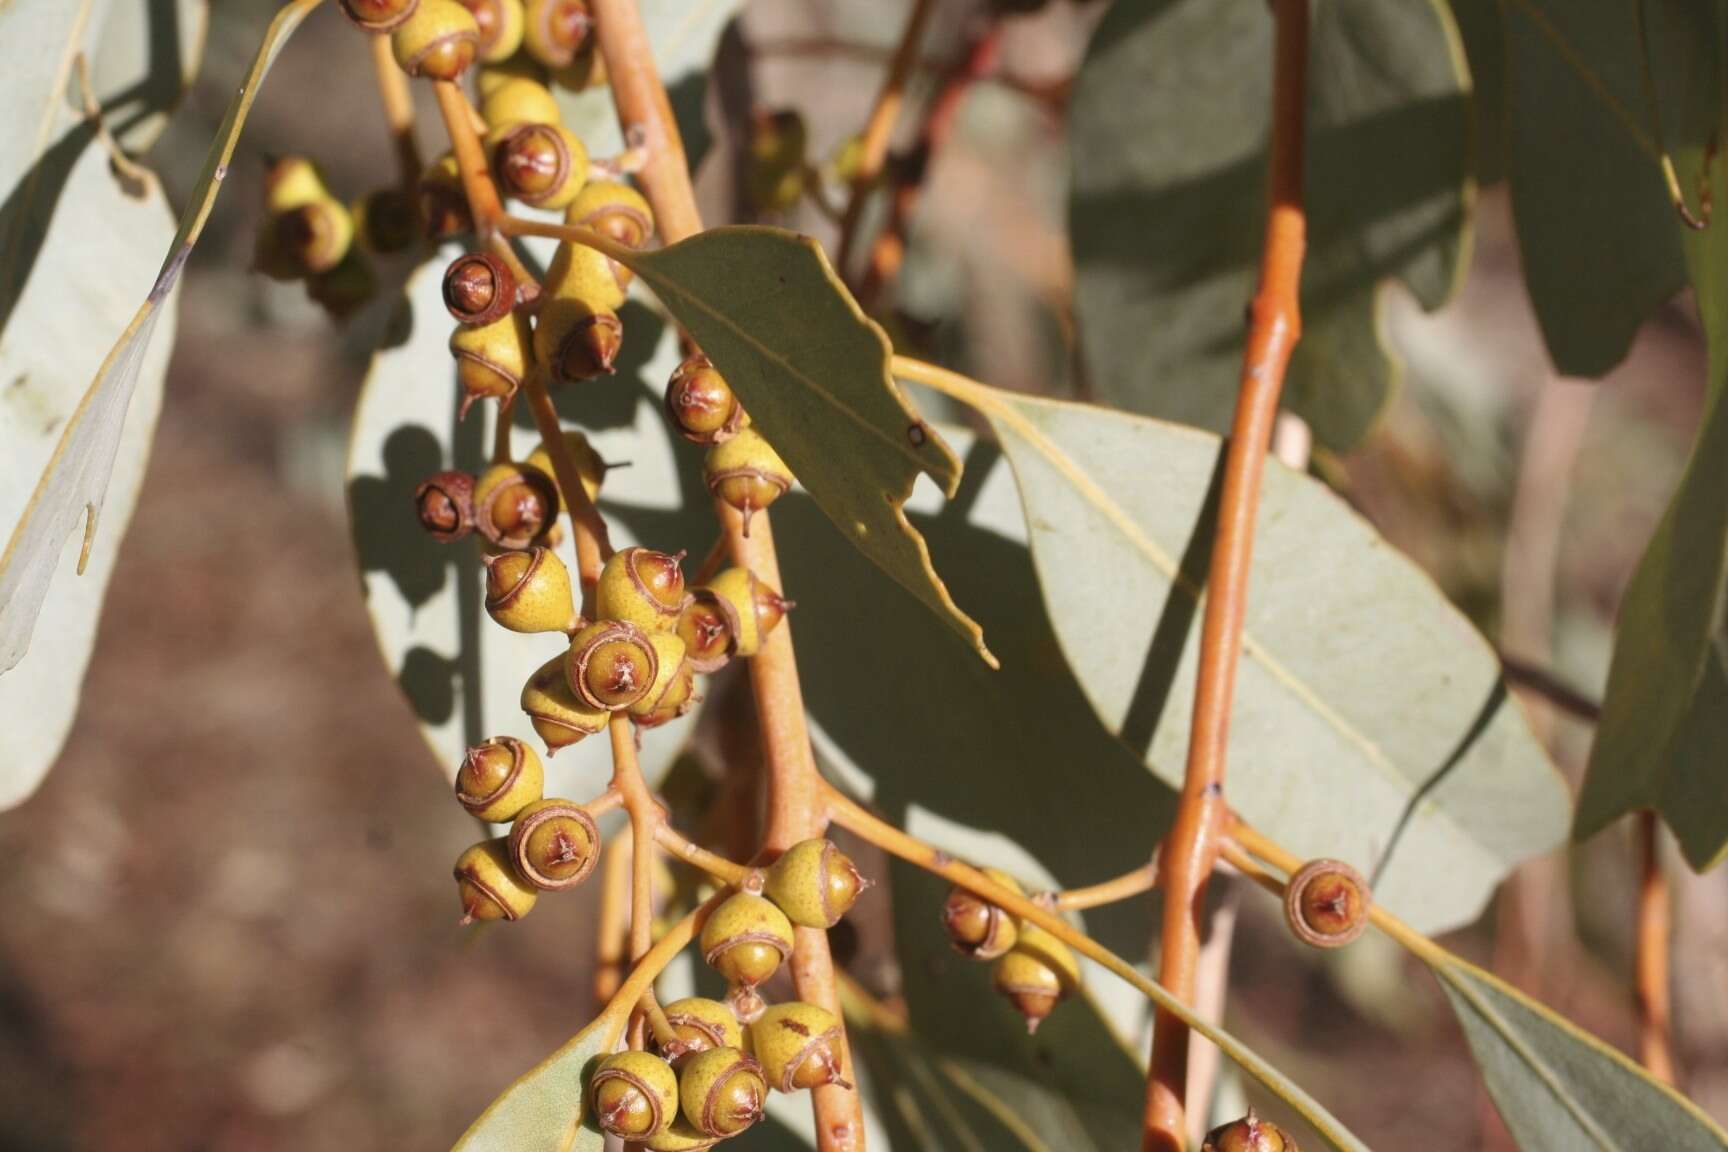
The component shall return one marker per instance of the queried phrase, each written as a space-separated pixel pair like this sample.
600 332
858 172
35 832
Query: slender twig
645 114
1191 845
724 870
1545 684
1124 887
610 932
593 542
398 103
501 430
1655 933
484 203
873 140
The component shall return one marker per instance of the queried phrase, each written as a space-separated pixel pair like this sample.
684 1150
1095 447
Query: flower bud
757 608
479 289
707 626
556 31
386 221
721 1091
746 939
1249 1134
491 360
589 466
700 405
775 167
798 1046
978 928
1036 974
543 165
519 101
576 340
529 591
814 883
1326 904
444 503
438 40
488 887
557 715
498 779
554 844
635 1095
703 1024
746 473
514 504
642 586
444 210
500 23
379 15
611 664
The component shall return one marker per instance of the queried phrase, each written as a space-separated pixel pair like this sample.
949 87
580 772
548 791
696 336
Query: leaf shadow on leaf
29 210
429 682
162 85
1496 699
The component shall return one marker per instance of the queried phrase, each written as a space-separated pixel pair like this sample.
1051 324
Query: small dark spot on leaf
794 1026
917 435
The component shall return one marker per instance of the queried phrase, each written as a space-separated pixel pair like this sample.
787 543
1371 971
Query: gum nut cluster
552 844
1032 969
307 234
741 467
511 505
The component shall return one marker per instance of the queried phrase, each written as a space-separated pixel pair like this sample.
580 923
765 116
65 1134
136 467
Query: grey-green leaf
542 1111
1560 1089
1664 721
146 57
1169 125
812 371
1370 721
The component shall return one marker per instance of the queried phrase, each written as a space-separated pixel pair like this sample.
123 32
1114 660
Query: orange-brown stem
611 933
1191 847
719 867
1655 932
398 104
795 811
1112 891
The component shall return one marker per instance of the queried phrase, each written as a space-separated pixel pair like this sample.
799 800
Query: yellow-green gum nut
491 359
680 1136
703 1024
529 591
556 31
514 504
587 70
518 101
1249 1134
554 844
798 1046
1057 956
774 168
746 473
721 1091
978 928
1038 973
576 340
346 288
442 201
385 221
378 15
677 698
501 23
642 586
755 603
613 209
492 76
814 883
708 626
557 715
438 41
668 666
634 1095
291 181
540 164
579 272
611 664
305 240
746 939
589 466
489 887
499 778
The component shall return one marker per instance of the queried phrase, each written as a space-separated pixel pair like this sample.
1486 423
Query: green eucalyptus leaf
145 59
46 358
75 478
812 371
542 1111
1595 229
1167 210
463 674
1664 722
1558 1088
1370 720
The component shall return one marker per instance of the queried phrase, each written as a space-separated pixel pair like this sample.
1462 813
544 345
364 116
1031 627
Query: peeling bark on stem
1191 847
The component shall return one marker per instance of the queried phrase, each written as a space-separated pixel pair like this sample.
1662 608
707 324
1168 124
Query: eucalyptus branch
727 872
1113 891
1651 960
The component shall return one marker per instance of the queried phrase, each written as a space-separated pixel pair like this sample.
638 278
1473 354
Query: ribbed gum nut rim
517 758
613 630
526 826
637 1083
775 942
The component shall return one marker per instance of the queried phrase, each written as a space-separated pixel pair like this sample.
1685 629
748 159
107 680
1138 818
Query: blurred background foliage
229 924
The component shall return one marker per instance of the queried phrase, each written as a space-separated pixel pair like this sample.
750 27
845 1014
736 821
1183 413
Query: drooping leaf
1558 1088
146 57
461 673
1169 131
1664 722
542 1111
1596 232
75 480
812 371
1370 721
46 358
